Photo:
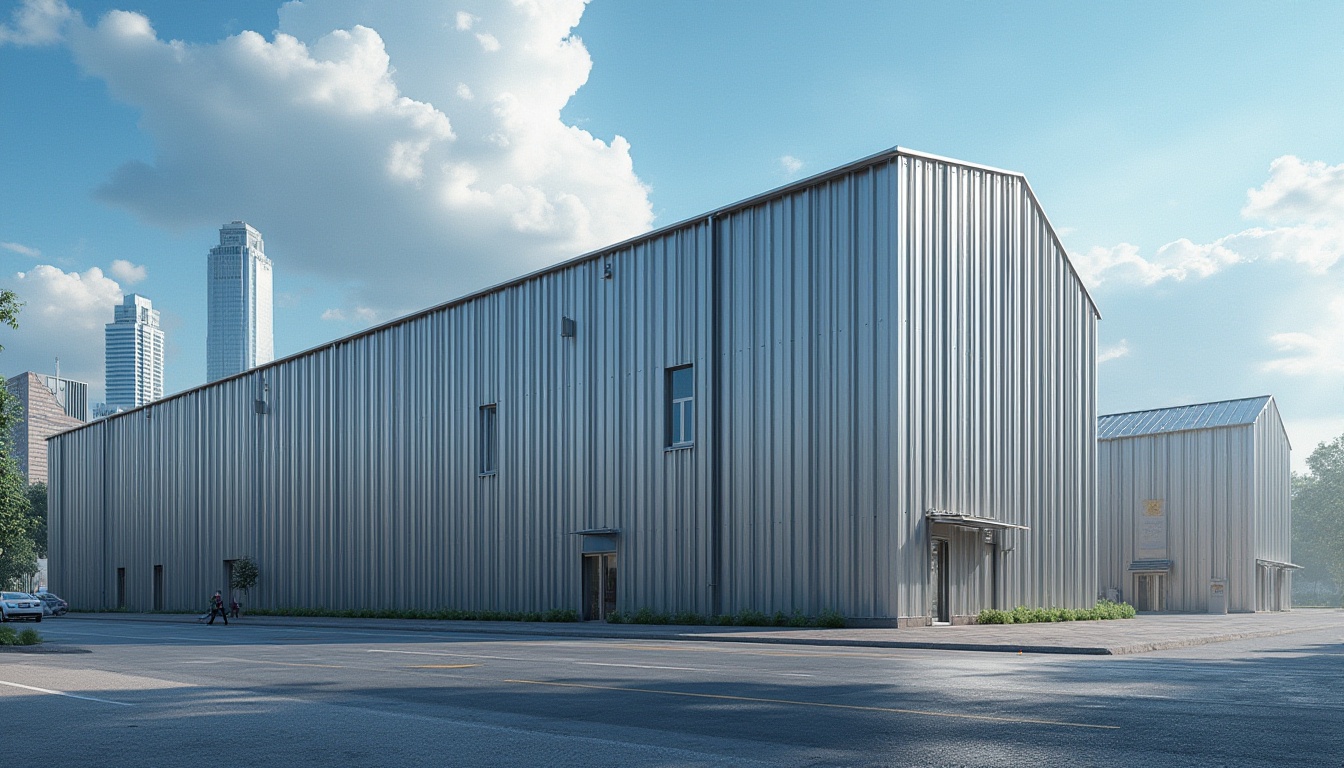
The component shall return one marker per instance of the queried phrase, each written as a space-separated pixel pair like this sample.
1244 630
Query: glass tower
134 374
238 331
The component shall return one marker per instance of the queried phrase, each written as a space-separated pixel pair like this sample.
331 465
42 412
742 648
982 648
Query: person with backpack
217 607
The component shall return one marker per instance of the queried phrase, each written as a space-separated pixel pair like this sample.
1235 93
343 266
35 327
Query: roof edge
594 255
1267 399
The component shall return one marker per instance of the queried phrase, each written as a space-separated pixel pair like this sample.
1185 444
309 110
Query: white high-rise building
238 333
134 374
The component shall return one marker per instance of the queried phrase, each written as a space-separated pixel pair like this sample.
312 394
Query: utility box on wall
1218 596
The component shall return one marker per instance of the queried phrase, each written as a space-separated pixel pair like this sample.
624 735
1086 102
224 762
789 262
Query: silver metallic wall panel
1225 491
901 334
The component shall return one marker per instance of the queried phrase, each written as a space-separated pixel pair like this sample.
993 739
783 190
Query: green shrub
648 616
831 619
9 636
687 617
1104 609
751 619
447 614
616 617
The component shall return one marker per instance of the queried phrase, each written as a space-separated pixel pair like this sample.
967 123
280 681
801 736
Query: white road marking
642 666
63 693
440 653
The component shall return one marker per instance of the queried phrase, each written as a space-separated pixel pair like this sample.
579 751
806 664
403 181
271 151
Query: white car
19 605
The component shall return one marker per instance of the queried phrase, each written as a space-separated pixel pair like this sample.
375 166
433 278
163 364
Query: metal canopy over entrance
970 521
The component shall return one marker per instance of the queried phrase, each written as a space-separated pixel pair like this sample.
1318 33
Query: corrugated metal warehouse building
1194 507
870 391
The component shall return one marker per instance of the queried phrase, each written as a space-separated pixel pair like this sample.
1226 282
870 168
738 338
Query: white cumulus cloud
1302 203
1319 351
36 22
128 273
63 316
396 155
790 164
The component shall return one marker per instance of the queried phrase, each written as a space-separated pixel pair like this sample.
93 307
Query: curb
708 634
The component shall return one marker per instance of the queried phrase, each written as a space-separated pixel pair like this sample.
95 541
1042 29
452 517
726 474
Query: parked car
52 605
19 605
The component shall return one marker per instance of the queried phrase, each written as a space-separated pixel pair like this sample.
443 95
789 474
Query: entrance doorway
940 610
599 586
158 587
1150 592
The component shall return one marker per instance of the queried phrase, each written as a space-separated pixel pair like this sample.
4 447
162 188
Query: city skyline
239 332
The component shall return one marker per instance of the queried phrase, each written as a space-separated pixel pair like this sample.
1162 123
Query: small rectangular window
488 440
681 406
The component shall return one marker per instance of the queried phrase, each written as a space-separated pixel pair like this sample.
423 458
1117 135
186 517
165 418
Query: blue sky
1188 153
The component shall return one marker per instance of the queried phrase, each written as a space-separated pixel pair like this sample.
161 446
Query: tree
244 574
18 558
37 513
1318 513
18 555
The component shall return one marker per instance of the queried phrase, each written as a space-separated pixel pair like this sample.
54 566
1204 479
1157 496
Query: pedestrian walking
233 607
217 607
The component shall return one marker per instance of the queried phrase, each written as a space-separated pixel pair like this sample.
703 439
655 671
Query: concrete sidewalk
1150 632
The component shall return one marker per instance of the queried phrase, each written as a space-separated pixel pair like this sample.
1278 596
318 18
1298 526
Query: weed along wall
869 394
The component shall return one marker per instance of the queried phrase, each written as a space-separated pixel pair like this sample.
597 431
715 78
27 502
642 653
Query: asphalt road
147 694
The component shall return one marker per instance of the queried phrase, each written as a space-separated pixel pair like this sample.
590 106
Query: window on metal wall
681 406
488 438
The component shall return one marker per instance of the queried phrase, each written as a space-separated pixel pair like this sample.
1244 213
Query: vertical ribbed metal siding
360 488
901 336
1226 494
879 368
1273 490
1000 348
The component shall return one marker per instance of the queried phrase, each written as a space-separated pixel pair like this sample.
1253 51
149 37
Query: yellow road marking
441 666
958 715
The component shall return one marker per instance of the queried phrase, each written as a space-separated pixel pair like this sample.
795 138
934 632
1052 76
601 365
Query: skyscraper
238 333
134 354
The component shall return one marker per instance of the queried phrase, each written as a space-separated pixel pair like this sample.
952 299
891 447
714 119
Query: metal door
599 586
940 610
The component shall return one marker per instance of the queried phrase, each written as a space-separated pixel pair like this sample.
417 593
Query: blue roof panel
1227 413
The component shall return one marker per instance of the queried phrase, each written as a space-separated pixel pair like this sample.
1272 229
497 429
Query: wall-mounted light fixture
568 328
606 271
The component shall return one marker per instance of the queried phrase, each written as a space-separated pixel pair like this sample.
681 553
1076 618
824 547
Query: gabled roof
1181 418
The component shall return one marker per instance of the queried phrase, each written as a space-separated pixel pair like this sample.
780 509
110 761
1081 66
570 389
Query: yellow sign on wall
1152 543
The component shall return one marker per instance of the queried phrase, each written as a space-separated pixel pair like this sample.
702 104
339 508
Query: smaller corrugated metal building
1194 507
